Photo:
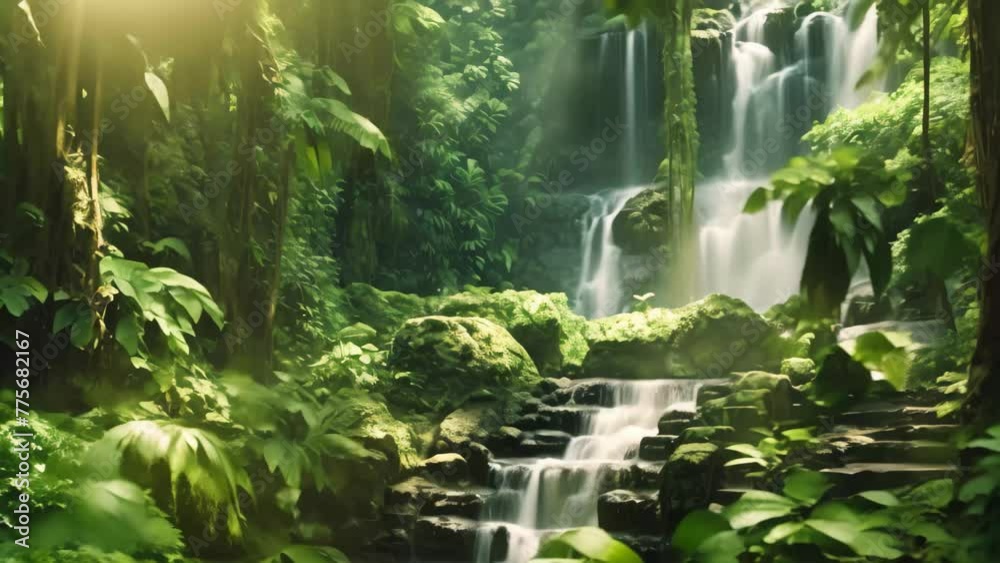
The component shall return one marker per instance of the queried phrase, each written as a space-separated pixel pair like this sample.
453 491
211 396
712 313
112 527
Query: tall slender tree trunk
983 402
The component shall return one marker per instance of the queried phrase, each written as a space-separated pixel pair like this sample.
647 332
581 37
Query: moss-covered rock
707 339
442 362
688 480
380 431
543 323
474 422
642 224
799 370
385 311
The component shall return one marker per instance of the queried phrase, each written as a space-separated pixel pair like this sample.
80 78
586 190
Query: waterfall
599 290
755 257
537 497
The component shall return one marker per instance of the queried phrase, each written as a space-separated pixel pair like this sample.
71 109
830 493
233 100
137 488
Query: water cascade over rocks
540 496
599 291
755 257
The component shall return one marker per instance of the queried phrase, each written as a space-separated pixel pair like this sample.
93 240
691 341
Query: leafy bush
585 545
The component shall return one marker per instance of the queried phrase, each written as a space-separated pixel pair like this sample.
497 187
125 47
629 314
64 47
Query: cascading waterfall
536 497
754 257
599 291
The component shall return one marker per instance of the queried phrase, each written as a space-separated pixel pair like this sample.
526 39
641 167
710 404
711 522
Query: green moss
441 362
381 431
706 434
643 223
543 323
710 338
707 19
692 454
385 311
799 370
759 380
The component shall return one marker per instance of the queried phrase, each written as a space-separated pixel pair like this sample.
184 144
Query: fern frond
195 456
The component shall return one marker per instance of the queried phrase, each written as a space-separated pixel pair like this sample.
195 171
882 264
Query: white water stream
755 257
539 496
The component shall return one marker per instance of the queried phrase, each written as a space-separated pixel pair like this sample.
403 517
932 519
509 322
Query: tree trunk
983 402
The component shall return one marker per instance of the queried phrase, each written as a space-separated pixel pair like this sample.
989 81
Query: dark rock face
628 511
688 480
657 448
455 503
643 223
443 538
479 457
543 443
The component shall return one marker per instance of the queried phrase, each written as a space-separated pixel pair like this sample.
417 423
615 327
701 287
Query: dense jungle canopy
466 281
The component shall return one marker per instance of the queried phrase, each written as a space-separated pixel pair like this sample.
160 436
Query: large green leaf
159 90
592 543
806 486
937 246
696 528
755 507
356 126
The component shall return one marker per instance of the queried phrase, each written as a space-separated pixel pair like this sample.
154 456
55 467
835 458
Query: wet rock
552 384
462 504
393 542
674 426
543 443
593 393
449 539
657 448
649 548
628 511
446 468
689 479
479 457
641 226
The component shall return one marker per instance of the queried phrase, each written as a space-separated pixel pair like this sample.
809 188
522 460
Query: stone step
883 415
628 511
572 419
858 477
657 448
929 432
461 504
543 443
449 539
916 451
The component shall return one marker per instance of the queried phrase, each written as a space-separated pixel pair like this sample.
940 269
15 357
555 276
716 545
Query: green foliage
980 494
801 524
17 289
173 301
585 545
196 458
118 516
840 380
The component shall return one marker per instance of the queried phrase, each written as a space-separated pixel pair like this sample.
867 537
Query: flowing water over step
539 496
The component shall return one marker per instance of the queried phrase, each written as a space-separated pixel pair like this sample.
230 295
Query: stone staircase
890 443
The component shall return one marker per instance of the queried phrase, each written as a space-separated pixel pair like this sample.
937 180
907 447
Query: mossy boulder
707 339
442 362
385 311
799 370
378 430
542 323
642 224
475 422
